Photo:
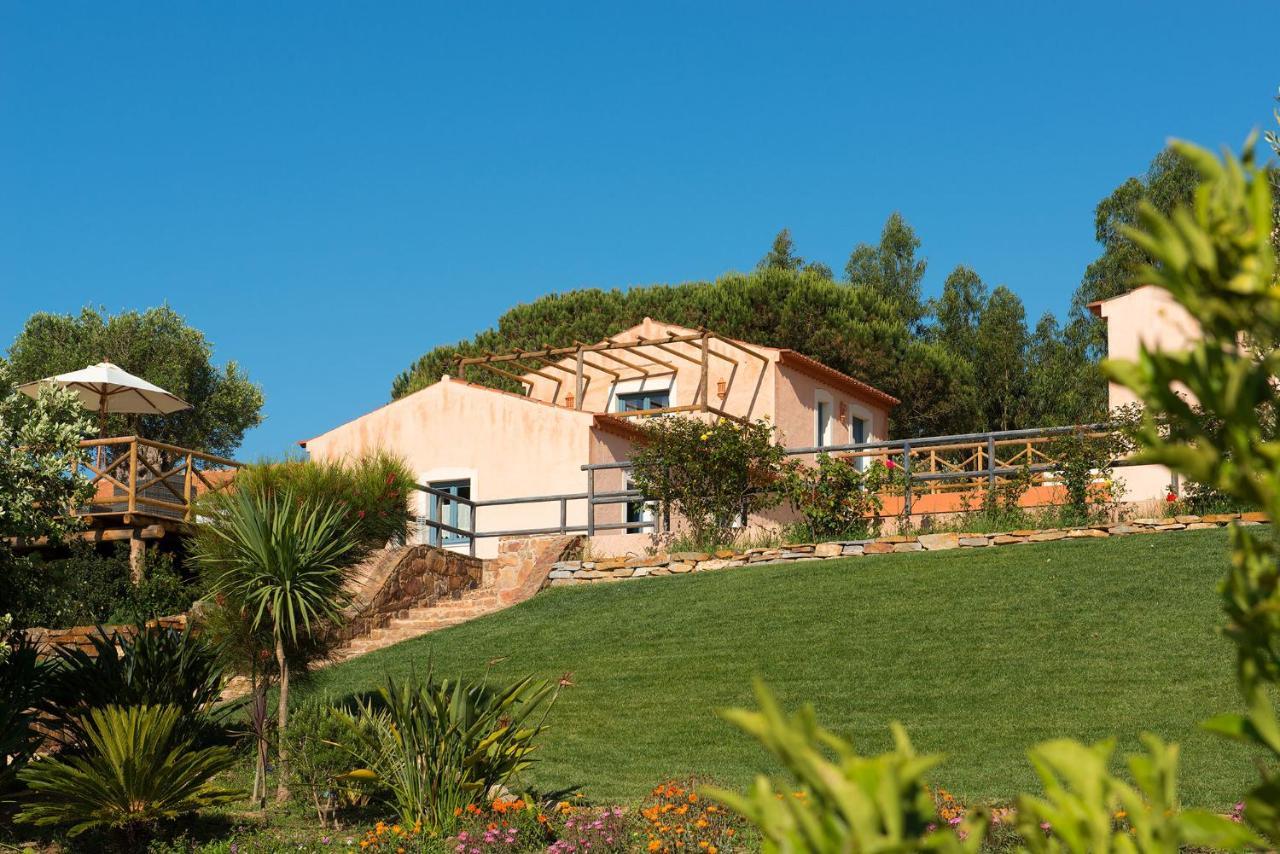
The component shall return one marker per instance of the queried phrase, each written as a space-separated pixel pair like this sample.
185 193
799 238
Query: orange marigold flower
654 845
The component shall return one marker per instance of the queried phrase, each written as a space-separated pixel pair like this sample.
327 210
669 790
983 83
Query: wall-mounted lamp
844 411
722 388
568 400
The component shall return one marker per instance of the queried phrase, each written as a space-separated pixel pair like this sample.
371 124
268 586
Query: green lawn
980 653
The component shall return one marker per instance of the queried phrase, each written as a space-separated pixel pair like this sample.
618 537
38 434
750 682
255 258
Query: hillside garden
617 719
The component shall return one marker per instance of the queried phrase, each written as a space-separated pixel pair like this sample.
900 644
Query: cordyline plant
1217 260
286 563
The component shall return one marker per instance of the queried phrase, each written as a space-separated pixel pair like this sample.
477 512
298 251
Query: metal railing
470 534
929 465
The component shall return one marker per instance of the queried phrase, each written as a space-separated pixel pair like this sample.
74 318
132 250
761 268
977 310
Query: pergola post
578 386
703 380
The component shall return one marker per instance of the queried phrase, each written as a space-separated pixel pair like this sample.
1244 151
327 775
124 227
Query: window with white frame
643 393
823 416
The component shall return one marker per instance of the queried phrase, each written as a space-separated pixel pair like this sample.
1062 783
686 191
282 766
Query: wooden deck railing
147 478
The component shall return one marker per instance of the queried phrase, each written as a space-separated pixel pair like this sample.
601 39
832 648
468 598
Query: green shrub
834 496
136 769
711 475
436 747
155 667
85 588
1087 462
371 490
23 679
319 747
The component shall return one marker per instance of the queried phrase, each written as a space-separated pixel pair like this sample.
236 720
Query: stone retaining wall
81 637
394 580
677 563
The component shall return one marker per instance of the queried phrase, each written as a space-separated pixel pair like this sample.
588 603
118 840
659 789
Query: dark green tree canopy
962 362
159 346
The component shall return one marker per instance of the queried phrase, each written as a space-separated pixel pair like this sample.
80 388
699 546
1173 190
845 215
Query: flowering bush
835 497
677 818
710 474
585 830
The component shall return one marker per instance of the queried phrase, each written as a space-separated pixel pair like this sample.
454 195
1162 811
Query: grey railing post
591 502
906 475
991 461
472 528
564 515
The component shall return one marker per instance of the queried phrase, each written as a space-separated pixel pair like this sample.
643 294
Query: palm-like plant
136 769
436 747
155 666
286 561
24 676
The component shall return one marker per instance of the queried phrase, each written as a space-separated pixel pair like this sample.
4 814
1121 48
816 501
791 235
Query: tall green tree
958 311
891 269
782 256
1064 386
159 346
1170 181
1001 359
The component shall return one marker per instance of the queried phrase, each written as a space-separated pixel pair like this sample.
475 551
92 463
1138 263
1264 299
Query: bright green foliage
371 489
842 801
436 747
709 475
1217 260
136 770
155 667
286 559
159 346
834 496
39 446
1086 808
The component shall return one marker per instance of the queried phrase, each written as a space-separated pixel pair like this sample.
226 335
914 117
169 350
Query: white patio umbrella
106 388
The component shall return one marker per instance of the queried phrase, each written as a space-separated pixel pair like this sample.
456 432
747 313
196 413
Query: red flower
360 514
1171 498
889 463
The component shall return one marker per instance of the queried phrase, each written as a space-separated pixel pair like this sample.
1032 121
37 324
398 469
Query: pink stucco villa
580 406
1144 317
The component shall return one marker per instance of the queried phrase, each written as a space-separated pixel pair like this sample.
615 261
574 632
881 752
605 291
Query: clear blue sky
330 189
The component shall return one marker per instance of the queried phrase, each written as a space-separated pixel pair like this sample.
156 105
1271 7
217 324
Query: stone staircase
426 619
411 610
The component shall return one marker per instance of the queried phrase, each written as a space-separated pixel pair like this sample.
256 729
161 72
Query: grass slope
980 653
